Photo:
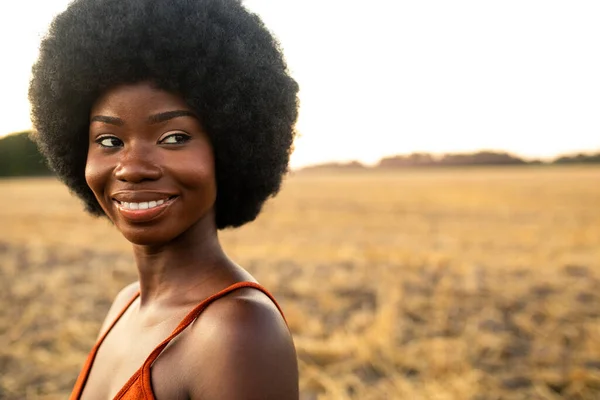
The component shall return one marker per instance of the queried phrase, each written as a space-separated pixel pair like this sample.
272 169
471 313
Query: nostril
138 170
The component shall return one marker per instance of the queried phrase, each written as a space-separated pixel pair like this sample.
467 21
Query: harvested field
480 283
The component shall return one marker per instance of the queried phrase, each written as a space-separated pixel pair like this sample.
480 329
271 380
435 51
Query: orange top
139 387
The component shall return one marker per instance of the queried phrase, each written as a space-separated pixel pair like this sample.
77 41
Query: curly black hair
217 55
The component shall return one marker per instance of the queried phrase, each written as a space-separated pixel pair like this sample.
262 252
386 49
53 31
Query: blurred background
437 237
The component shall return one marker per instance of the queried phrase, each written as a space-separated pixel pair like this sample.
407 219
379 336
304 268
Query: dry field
477 284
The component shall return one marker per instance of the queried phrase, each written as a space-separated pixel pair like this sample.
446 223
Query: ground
477 283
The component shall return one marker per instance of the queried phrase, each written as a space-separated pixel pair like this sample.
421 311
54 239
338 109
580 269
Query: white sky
383 77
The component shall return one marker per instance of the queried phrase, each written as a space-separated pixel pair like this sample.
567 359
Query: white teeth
145 205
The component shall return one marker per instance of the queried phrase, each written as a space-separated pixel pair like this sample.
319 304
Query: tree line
19 156
418 160
479 158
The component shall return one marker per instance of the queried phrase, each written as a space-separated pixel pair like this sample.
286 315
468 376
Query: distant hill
427 160
579 159
19 156
419 160
352 165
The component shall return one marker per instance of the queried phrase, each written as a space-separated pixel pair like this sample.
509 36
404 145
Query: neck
190 265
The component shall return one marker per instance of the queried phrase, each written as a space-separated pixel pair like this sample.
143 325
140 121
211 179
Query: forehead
137 99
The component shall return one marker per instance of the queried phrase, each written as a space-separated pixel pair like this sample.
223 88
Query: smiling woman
173 134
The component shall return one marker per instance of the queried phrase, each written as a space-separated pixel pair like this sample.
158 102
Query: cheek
201 181
197 174
96 177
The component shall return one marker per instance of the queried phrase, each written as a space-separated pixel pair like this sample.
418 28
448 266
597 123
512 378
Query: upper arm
118 303
243 350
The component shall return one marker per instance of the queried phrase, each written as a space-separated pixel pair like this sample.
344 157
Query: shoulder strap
85 371
189 318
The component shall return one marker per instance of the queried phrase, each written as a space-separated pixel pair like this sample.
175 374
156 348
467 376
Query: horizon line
435 154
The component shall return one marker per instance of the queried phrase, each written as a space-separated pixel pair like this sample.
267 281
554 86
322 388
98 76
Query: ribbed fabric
139 386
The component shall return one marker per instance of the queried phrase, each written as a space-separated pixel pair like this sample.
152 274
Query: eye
109 141
175 138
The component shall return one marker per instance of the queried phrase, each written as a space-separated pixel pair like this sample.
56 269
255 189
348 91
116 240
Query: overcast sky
385 77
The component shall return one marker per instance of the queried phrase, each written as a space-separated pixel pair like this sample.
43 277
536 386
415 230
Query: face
150 164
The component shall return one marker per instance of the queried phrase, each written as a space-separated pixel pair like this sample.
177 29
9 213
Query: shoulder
242 349
120 301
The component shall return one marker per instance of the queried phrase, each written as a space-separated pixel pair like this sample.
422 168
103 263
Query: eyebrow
153 119
108 120
165 116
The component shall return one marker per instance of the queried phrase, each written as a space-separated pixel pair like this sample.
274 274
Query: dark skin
147 145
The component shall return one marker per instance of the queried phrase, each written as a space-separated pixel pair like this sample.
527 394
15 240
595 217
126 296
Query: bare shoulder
241 348
120 301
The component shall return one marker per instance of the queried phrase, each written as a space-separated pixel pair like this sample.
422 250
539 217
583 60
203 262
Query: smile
143 211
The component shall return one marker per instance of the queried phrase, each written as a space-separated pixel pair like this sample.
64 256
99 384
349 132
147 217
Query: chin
161 231
147 237
142 240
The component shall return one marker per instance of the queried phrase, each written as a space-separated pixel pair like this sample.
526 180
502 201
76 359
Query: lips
142 206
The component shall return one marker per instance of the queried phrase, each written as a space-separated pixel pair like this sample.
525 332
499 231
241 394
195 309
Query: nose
137 164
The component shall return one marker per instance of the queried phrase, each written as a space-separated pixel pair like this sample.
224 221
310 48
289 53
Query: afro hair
214 53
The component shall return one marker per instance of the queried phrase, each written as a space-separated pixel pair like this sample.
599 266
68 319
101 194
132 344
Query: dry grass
456 284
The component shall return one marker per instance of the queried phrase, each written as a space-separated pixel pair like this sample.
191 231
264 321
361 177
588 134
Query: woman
174 119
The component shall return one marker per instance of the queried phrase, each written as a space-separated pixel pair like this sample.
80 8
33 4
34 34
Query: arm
243 350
